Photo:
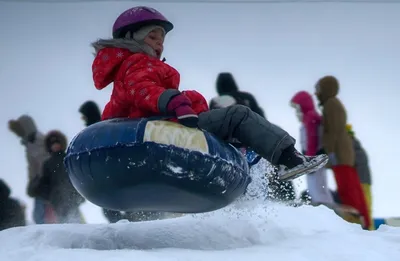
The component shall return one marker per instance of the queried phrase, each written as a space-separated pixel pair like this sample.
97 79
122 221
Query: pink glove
181 106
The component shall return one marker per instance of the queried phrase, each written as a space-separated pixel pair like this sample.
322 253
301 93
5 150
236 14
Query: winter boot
292 164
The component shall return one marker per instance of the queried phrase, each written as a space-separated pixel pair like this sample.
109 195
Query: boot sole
300 172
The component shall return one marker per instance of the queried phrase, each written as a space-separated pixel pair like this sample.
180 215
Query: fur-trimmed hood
305 101
55 136
129 44
91 111
133 41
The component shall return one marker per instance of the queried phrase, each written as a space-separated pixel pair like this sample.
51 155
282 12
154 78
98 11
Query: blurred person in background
363 171
12 212
226 86
55 185
338 145
310 140
33 141
228 95
90 113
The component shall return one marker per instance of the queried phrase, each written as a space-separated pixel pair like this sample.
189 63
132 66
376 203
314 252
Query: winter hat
140 34
226 83
91 111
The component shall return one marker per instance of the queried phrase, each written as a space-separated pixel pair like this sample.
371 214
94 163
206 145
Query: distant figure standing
229 95
54 184
90 113
33 141
363 170
310 140
227 89
338 145
12 213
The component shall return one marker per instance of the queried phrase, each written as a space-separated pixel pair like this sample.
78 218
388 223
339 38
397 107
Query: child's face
56 147
155 39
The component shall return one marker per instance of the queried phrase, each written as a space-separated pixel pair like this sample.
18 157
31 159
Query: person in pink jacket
310 135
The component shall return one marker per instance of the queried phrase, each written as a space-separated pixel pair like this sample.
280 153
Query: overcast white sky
273 50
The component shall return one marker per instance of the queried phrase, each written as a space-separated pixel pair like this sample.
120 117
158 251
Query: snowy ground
240 232
249 229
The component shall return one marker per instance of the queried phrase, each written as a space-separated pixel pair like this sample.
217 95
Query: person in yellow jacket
363 170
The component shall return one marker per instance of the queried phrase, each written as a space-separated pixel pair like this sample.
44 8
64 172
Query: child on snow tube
144 87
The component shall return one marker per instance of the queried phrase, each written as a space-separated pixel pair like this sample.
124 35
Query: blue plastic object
120 164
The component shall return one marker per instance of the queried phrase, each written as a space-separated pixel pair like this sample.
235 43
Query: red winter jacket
311 121
143 85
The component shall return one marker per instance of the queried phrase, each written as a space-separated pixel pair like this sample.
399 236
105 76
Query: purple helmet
137 17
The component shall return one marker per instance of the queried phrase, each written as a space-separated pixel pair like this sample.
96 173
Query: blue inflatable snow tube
155 165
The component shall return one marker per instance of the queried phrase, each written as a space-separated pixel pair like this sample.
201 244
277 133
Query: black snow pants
241 123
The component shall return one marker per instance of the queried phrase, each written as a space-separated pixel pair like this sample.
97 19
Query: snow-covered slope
242 232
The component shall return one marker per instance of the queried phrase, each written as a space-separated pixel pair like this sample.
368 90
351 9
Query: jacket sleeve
311 125
199 103
331 126
34 169
36 155
144 87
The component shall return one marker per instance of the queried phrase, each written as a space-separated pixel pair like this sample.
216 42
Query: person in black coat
55 185
90 112
226 86
229 94
12 213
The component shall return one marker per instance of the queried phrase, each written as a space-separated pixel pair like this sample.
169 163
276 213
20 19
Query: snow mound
244 231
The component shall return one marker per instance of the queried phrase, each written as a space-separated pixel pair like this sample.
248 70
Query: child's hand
181 106
186 116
